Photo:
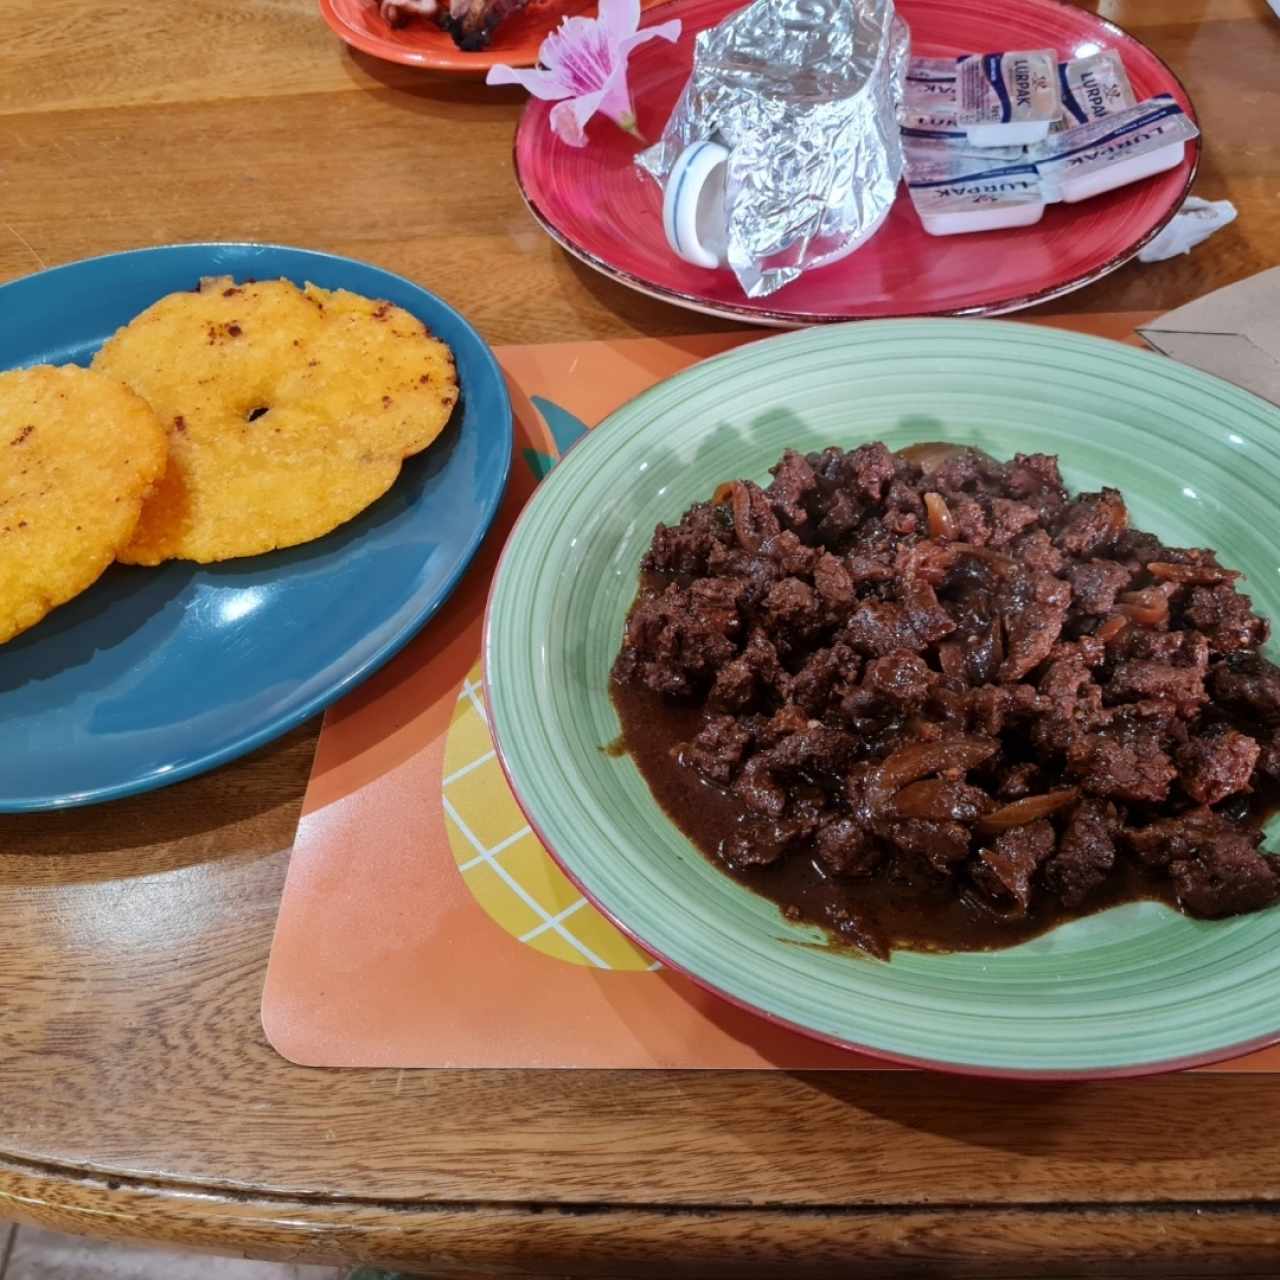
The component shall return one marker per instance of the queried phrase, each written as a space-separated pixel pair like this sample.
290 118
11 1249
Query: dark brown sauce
919 916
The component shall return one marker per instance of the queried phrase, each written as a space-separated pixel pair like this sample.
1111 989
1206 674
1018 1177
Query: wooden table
138 1096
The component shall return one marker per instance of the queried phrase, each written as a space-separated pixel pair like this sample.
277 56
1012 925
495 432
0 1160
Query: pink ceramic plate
596 204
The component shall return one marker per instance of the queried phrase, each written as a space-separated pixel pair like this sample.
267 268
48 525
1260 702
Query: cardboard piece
1233 333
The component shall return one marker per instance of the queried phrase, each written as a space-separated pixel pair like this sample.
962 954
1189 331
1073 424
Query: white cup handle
693 205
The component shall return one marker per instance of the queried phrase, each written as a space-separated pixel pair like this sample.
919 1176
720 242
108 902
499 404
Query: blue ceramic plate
153 675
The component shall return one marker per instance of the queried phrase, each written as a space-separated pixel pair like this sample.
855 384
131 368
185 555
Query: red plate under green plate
596 204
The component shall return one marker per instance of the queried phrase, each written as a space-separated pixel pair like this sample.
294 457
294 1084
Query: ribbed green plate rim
1133 990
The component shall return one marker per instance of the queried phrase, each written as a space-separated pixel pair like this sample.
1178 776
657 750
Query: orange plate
420 43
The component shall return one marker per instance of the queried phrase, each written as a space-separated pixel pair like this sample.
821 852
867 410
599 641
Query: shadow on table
418 87
248 806
1074 1120
1071 1121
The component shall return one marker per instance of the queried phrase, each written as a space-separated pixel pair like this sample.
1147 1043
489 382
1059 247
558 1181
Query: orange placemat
422 924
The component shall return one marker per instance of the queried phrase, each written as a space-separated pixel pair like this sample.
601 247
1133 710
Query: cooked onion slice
1149 607
941 525
1201 574
1020 812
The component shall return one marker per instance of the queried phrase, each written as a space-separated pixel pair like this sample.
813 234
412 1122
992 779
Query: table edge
529 1238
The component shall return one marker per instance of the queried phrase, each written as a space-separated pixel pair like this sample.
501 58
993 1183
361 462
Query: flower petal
615 99
578 54
663 31
542 84
619 18
569 118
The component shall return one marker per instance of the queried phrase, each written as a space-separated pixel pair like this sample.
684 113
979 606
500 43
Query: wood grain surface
138 1096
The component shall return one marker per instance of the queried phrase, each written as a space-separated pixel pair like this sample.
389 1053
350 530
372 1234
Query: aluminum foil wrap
805 95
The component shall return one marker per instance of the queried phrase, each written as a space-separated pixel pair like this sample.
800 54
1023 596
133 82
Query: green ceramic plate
1138 988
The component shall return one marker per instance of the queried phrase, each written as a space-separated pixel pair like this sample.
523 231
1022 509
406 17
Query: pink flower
583 68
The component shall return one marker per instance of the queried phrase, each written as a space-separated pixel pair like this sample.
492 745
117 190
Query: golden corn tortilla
289 411
79 454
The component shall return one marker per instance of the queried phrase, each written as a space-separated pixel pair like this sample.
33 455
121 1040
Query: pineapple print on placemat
502 862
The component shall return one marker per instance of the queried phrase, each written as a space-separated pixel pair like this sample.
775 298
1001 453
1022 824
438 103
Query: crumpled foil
805 95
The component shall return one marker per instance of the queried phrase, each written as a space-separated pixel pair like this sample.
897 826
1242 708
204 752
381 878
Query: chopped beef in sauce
930 699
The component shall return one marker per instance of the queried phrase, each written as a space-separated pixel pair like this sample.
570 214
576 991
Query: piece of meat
839 518
1172 839
760 842
472 23
734 688
793 557
788 719
940 845
685 548
1138 772
674 644
1227 619
1029 641
1095 584
901 679
397 12
1085 854
880 627
925 561
1249 682
1133 680
1005 869
928 620
846 847
1020 780
970 521
717 750
1091 523
816 751
1035 610
959 470
791 605
1009 519
1069 704
989 710
793 481
1067 687
833 581
759 789
869 469
1268 766
904 510
1177 648
1225 876
872 552
1135 549
813 685
1216 764
1035 477
1035 550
